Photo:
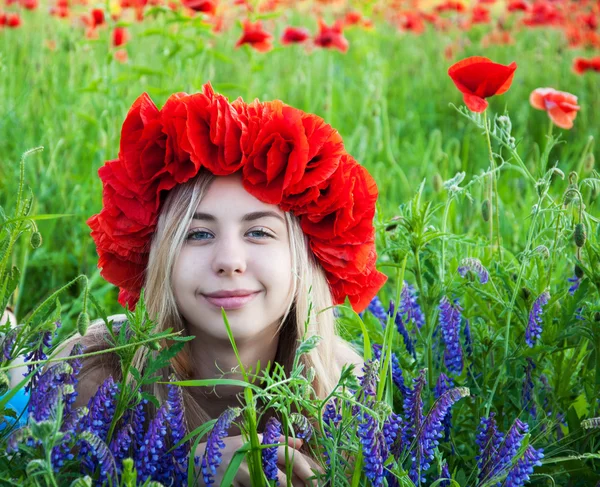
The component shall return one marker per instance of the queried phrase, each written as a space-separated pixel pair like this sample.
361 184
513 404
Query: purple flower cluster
178 427
450 321
302 428
35 355
269 455
399 322
373 447
575 282
474 265
214 444
528 400
498 452
397 376
376 308
444 384
409 307
368 381
534 328
445 474
520 473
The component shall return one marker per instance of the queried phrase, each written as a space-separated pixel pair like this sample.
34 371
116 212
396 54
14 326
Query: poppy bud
578 272
4 383
589 162
573 177
83 321
438 182
36 239
485 210
154 345
595 191
580 235
569 195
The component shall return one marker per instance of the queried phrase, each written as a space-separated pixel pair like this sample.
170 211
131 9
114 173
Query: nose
229 257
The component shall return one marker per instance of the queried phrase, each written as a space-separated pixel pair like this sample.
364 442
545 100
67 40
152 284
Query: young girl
256 209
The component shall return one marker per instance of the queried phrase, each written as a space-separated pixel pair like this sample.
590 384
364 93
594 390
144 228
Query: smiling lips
231 299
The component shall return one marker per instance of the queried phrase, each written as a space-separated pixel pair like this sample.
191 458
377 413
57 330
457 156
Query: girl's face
235 243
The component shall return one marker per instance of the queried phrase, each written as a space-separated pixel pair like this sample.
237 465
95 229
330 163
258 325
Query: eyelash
195 232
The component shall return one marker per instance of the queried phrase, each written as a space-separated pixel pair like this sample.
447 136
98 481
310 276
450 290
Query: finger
300 464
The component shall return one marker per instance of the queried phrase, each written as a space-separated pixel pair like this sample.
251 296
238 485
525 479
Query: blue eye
197 232
263 233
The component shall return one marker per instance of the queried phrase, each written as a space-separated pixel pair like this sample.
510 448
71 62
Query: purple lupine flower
331 419
137 420
121 443
445 474
475 266
104 459
432 427
48 391
72 380
410 307
528 400
392 426
151 461
450 321
302 428
534 328
489 440
372 442
101 409
413 412
444 384
376 308
397 376
214 444
177 425
575 282
510 446
269 455
408 342
35 355
8 344
520 473
62 452
368 381
468 339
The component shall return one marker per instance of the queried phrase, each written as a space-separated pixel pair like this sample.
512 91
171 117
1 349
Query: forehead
227 197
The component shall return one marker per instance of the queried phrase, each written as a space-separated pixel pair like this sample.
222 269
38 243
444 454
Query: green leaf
234 466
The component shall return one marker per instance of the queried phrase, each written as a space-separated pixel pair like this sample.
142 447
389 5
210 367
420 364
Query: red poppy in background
30 4
489 2
581 65
352 18
255 36
480 15
120 36
205 6
411 21
3 19
97 17
561 106
450 6
479 78
332 37
518 6
294 35
13 20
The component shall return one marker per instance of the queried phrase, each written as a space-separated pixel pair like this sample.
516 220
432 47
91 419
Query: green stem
493 190
444 225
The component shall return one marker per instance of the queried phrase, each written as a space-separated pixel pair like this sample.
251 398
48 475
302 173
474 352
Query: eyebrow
255 215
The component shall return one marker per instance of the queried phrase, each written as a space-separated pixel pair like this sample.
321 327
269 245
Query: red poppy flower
581 65
30 4
561 106
479 78
3 19
294 35
352 18
255 36
120 36
97 17
480 15
450 6
13 20
411 22
332 37
518 6
205 6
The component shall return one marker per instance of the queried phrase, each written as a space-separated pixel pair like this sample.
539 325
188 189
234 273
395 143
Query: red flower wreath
287 157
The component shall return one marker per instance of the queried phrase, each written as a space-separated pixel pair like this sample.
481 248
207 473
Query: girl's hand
301 466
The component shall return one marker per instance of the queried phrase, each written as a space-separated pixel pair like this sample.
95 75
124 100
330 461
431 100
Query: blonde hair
309 286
